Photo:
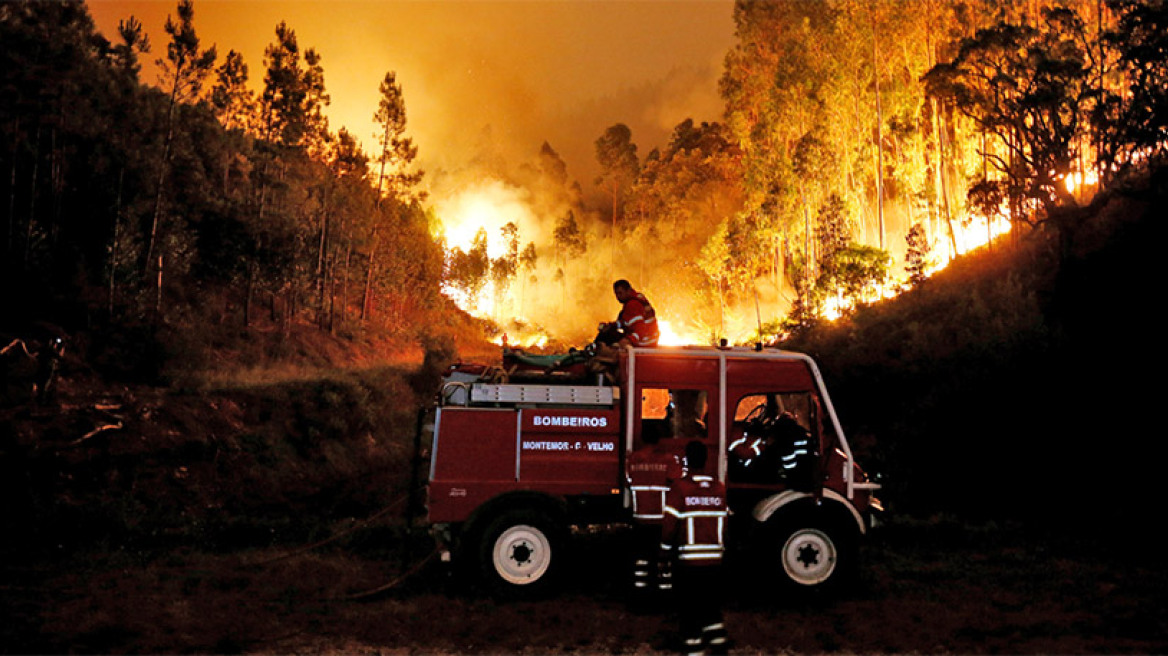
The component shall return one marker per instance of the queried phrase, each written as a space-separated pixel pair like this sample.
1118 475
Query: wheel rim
522 554
809 556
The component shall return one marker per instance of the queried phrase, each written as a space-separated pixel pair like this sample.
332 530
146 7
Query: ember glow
671 337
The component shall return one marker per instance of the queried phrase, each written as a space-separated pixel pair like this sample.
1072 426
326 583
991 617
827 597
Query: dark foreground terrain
926 587
270 518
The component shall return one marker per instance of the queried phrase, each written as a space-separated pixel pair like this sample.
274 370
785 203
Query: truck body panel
480 453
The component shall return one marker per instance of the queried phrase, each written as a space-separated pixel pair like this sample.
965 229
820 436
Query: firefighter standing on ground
692 536
636 325
651 470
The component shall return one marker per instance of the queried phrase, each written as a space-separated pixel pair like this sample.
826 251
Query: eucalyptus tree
469 270
1028 87
505 268
1132 117
617 155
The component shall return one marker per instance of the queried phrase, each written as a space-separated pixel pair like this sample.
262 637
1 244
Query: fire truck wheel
520 552
813 555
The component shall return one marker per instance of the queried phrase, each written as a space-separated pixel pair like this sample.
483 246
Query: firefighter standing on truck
651 470
692 536
636 325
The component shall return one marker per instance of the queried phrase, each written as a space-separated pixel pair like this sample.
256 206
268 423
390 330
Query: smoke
486 83
568 291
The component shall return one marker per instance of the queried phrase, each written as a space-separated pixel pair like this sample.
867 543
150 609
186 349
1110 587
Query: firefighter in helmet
651 469
692 535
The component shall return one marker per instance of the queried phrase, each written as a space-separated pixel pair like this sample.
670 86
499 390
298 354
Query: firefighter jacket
638 321
695 520
651 470
746 449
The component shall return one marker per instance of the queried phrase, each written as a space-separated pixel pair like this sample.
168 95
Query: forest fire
775 197
479 228
969 235
526 338
672 337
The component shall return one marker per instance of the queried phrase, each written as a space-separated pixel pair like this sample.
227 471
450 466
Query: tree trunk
322 269
10 245
32 188
55 184
113 251
155 215
612 250
344 314
879 141
366 297
943 185
158 292
249 293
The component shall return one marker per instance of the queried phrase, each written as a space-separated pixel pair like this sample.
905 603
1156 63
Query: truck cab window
772 441
671 413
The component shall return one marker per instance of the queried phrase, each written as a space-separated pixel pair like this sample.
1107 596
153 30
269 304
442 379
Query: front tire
812 555
520 554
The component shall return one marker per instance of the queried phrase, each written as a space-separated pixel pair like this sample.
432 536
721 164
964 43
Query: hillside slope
1016 382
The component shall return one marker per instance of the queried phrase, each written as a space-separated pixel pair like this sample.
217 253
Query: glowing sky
534 70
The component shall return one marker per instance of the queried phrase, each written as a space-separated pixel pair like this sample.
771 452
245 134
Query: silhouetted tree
182 73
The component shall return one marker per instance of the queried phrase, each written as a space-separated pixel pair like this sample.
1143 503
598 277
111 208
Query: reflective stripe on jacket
638 320
651 468
695 520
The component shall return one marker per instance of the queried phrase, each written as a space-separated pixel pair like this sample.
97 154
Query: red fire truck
518 459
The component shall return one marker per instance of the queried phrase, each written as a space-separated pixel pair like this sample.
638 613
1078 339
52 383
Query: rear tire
520 554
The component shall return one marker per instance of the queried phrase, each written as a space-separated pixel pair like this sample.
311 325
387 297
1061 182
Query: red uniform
693 529
695 520
651 470
638 321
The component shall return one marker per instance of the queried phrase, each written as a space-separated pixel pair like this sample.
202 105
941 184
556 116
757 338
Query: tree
395 178
232 100
714 261
182 72
293 98
343 201
552 166
858 272
134 42
528 258
568 238
505 267
1131 121
1028 87
617 155
916 260
469 270
291 133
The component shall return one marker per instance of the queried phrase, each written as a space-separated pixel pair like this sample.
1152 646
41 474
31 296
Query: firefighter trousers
650 572
699 609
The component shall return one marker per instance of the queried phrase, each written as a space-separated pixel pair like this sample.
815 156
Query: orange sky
560 70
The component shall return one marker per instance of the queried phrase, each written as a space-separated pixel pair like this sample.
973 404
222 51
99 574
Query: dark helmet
695 455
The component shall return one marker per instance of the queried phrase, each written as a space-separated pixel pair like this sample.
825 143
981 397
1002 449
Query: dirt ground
281 558
934 587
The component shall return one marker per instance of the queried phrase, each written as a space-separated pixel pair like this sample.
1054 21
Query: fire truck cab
517 461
